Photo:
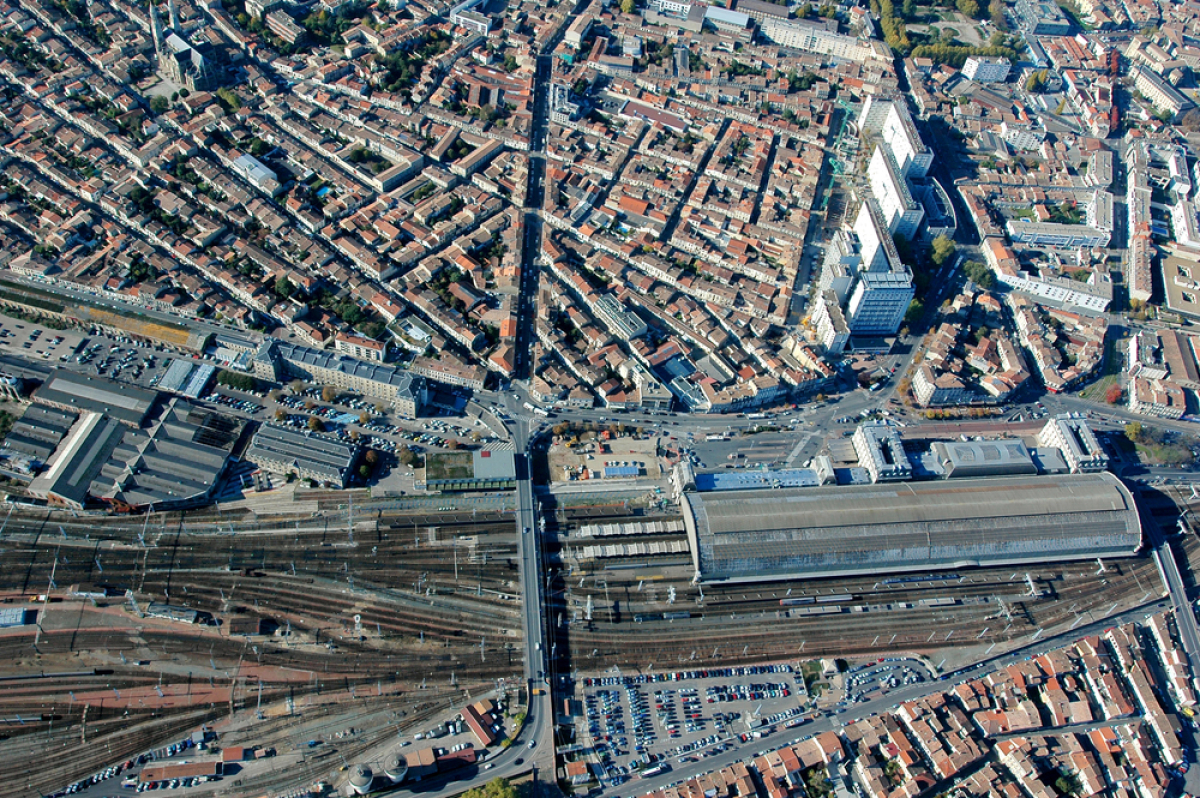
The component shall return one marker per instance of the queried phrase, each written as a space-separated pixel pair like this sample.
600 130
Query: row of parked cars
98 778
679 676
606 724
684 749
719 693
245 405
173 784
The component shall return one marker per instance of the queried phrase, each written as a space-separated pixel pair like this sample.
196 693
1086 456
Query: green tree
159 104
627 6
496 788
1067 784
229 99
283 287
916 309
1134 431
364 471
242 382
996 12
316 424
943 249
980 274
329 393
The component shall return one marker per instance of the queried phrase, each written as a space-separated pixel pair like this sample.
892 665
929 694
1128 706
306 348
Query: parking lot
634 723
122 780
874 679
95 352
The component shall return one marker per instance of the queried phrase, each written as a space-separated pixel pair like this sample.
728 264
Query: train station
756 536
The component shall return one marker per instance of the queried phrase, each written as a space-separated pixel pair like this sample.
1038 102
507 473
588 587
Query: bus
661 767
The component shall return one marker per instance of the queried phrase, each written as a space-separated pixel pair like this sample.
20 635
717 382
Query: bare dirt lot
588 456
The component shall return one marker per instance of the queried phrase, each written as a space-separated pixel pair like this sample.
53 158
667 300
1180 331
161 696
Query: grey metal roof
79 459
406 384
123 402
177 458
319 454
39 431
494 464
748 480
983 458
746 535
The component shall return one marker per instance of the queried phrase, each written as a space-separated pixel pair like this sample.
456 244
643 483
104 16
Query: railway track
747 624
427 593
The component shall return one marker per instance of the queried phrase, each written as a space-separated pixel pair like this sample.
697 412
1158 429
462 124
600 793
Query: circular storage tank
395 768
360 779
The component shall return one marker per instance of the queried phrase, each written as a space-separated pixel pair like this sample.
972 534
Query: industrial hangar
754 536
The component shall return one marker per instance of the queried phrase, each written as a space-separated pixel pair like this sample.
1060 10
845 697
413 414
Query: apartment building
1075 439
982 69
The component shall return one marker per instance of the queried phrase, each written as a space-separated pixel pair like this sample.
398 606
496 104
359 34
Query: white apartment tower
884 288
902 213
900 134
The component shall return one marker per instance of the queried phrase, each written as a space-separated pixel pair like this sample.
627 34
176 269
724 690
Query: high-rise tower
173 8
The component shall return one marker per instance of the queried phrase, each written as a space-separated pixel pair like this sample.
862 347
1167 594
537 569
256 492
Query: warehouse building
482 469
77 461
173 462
110 442
747 536
76 393
306 454
38 432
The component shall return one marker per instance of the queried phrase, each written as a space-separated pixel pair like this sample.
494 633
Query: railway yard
646 614
352 614
344 616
